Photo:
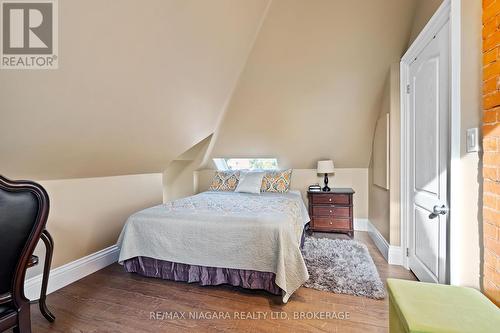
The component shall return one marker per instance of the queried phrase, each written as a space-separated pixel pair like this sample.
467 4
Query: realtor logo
29 34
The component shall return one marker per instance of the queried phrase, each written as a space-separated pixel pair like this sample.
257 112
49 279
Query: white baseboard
393 254
360 224
396 255
379 240
66 274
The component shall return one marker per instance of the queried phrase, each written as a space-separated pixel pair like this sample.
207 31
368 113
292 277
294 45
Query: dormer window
246 163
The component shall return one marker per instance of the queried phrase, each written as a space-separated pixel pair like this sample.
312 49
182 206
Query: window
246 163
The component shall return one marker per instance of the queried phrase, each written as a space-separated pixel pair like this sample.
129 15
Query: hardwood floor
112 300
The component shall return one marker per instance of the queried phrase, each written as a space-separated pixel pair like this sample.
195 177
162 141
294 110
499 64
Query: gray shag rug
341 266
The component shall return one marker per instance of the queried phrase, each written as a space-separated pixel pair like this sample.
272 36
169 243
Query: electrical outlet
472 140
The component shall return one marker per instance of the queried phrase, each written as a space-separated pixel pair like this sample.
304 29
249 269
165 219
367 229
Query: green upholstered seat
427 307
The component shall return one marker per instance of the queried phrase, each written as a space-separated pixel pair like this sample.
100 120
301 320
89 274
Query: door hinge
407 88
407 252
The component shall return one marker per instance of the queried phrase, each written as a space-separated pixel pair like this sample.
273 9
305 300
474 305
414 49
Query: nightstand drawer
331 211
329 223
339 199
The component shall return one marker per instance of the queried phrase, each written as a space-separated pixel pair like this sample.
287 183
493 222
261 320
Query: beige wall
179 179
470 209
87 214
313 82
423 12
139 82
395 158
302 178
384 205
379 211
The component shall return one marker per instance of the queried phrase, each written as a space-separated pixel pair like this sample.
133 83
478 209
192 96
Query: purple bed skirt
205 276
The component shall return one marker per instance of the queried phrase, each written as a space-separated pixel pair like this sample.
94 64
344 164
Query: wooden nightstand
332 211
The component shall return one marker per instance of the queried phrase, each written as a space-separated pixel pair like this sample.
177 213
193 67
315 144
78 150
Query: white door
428 184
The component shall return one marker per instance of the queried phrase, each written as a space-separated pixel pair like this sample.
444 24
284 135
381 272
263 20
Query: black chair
24 207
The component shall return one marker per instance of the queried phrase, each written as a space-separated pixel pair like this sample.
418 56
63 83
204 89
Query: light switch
472 140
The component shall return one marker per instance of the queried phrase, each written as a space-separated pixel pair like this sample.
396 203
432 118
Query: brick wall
491 148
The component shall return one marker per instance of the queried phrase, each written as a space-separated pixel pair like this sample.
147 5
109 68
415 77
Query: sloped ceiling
313 82
139 83
423 12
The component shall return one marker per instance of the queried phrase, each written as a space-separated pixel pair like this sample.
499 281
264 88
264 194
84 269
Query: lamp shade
325 166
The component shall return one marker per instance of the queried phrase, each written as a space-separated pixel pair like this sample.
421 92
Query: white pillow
250 182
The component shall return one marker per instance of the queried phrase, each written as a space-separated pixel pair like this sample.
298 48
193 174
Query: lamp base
326 188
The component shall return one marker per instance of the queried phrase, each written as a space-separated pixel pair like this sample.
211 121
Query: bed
247 240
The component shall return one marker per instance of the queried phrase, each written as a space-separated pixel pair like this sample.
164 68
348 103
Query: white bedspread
224 229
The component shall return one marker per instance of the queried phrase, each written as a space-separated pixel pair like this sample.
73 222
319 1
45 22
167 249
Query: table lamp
325 167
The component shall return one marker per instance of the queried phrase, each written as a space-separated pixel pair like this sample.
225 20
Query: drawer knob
330 211
330 199
331 222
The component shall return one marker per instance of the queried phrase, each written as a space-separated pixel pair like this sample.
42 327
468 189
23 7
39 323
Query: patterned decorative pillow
277 181
225 181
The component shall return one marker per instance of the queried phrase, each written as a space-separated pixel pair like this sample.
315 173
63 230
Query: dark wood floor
112 300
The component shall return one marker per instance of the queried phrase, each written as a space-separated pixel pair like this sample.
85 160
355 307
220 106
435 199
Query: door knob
438 210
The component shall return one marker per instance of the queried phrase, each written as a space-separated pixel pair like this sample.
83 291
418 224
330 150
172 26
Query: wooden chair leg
49 246
23 320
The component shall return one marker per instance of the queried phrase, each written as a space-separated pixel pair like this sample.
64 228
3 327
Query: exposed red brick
490 56
491 149
490 231
490 144
492 291
490 201
491 130
492 100
487 3
490 86
491 186
490 216
490 173
489 28
492 41
492 245
489 116
490 259
491 70
491 11
491 158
